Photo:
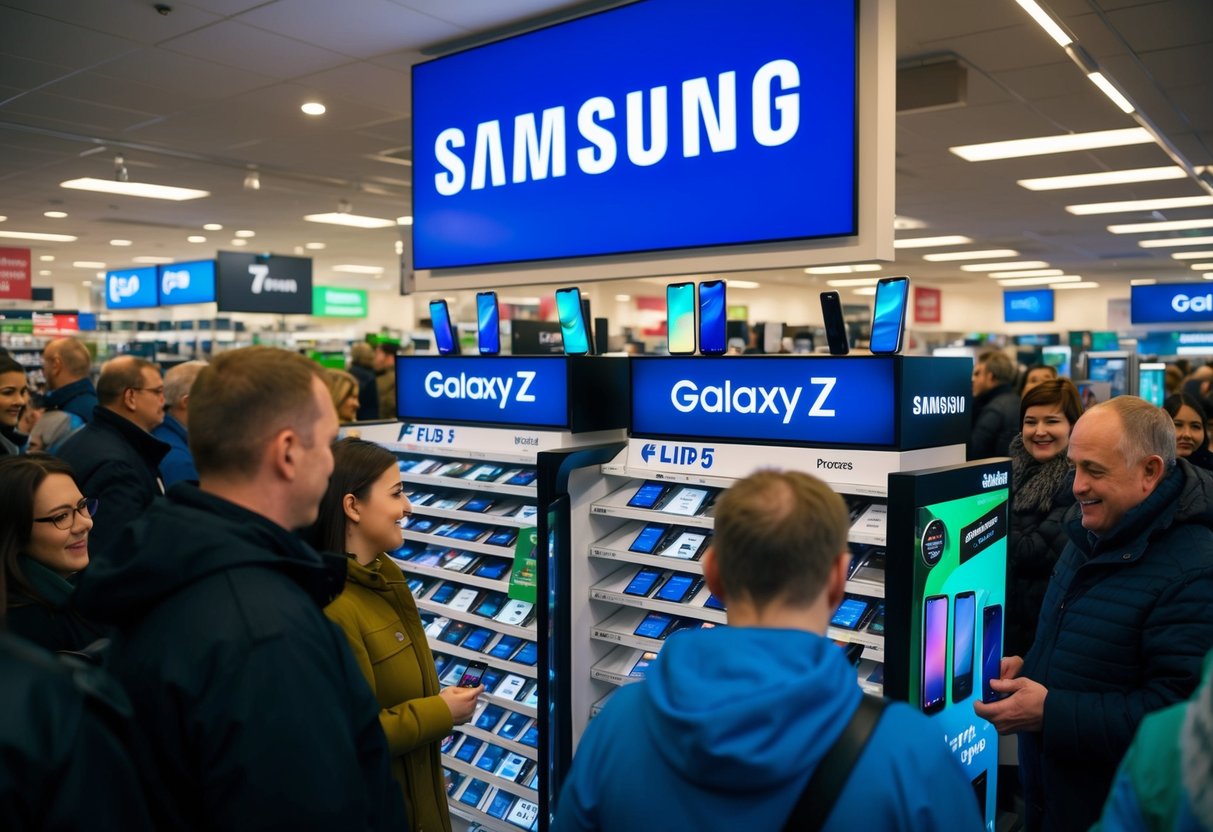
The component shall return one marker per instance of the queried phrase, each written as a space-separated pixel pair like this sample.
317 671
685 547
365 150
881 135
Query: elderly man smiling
1125 621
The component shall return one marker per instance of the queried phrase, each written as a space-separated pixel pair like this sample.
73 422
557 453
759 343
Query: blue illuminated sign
131 288
701 132
511 391
187 283
1031 305
1170 302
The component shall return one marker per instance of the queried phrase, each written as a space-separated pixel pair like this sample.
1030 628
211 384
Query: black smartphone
490 757
964 625
444 329
836 326
648 538
506 647
455 632
514 725
714 603
679 587
449 741
490 605
680 318
488 323
642 583
473 793
523 477
655 625
648 495
851 613
468 748
934 653
991 651
889 314
713 324
471 676
574 328
444 593
979 790
477 639
502 537
529 654
489 717
876 628
493 569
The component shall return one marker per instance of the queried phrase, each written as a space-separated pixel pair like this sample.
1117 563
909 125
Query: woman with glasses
14 396
44 526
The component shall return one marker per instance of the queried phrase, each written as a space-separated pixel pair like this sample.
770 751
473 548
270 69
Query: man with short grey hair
1125 622
178 463
66 364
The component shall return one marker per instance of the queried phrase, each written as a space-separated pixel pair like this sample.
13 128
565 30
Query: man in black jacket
1125 622
253 710
115 456
995 406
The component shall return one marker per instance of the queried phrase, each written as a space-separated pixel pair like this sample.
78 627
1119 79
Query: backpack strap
827 781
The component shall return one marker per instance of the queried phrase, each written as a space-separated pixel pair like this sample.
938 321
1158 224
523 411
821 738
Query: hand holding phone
461 701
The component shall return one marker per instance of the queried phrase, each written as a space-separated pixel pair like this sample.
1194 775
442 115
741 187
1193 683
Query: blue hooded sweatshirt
726 730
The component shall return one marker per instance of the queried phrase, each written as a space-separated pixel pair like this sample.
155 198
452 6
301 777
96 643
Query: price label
607 635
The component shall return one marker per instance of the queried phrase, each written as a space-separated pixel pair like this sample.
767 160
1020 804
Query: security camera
163 8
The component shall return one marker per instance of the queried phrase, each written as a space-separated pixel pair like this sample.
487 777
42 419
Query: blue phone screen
572 322
934 653
647 495
713 603
642 583
712 326
529 654
648 539
849 612
506 647
487 323
676 588
654 625
680 317
444 335
991 651
962 635
889 316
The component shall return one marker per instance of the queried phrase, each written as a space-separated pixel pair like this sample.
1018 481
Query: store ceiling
196 96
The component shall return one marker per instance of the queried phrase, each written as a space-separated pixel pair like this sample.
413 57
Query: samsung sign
187 283
1171 303
1030 305
131 288
513 391
657 125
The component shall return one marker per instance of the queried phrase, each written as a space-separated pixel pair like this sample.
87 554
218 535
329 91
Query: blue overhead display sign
813 401
1171 302
187 283
131 288
653 126
510 391
1031 305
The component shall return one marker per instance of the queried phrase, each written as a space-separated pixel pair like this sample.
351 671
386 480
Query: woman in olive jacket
360 515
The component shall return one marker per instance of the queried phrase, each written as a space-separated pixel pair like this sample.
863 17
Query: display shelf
474 517
615 547
597 707
475 817
471 770
620 470
617 666
620 628
872 589
871 527
414 570
473 656
496 739
864 670
615 505
403 450
443 610
472 485
472 546
611 590
873 646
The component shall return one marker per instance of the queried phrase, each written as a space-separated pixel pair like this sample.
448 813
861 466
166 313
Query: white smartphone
514 612
464 599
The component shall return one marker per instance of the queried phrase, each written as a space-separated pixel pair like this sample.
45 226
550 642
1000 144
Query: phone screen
934 653
680 317
477 639
529 654
474 793
444 593
1151 383
487 323
678 587
889 314
849 613
686 546
572 322
513 725
506 647
444 332
471 676
686 501
489 717
648 538
647 495
490 758
654 625
642 664
713 603
963 626
642 583
713 337
836 326
991 651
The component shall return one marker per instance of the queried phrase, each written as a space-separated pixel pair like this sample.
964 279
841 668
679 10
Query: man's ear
128 398
1154 470
283 451
711 574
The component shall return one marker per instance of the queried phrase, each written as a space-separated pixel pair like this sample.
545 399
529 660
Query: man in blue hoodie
731 722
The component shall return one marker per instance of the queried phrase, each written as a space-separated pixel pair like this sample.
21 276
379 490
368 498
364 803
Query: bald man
66 363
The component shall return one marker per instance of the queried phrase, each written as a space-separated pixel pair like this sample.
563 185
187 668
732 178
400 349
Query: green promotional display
950 581
523 577
333 302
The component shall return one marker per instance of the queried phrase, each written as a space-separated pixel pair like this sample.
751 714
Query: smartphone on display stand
573 327
444 328
713 336
991 651
488 323
680 318
836 325
934 653
889 315
964 624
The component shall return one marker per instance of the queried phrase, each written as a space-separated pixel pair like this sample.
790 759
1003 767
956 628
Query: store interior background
209 93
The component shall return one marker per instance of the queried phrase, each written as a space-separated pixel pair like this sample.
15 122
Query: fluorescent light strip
34 235
353 269
971 255
1140 205
143 189
1047 23
853 281
1143 281
1111 177
1026 273
1176 241
743 284
1169 225
867 290
1201 267
351 220
1109 89
932 242
1043 145
862 267
1041 281
88 264
1082 284
152 261
1000 267
1191 255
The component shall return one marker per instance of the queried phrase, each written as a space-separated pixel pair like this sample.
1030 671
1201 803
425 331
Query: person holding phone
360 514
1043 495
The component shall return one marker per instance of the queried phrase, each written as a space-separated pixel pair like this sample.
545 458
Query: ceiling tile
369 83
133 21
255 50
21 74
101 89
41 39
1164 25
176 72
378 26
85 115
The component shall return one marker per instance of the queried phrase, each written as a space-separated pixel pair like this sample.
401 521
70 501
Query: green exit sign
333 302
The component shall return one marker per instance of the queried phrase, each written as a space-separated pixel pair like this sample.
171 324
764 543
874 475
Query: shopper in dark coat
1043 489
362 367
995 406
1125 622
253 711
115 456
66 364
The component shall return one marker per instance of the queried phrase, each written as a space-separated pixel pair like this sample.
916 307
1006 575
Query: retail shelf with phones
484 446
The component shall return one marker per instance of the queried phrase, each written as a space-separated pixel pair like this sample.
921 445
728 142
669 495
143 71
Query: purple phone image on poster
934 653
991 651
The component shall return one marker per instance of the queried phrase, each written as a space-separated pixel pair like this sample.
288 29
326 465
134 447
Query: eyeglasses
64 519
155 391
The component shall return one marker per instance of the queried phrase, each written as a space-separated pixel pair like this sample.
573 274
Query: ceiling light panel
1027 273
141 189
1041 281
1082 284
1140 205
355 269
38 236
851 281
1191 255
1110 177
987 254
1168 225
1176 241
1045 22
932 242
1109 89
999 267
352 220
1044 145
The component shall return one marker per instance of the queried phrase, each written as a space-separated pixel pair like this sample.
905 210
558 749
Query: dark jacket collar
990 395
46 584
11 436
56 399
151 449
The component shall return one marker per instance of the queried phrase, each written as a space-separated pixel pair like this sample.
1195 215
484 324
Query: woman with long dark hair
360 515
44 526
1190 418
14 397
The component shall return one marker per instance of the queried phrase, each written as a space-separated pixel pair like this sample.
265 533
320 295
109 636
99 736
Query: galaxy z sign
264 283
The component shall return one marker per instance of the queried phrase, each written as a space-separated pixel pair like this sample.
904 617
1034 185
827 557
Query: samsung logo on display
174 280
539 146
1170 302
480 388
123 287
687 397
995 480
1200 303
937 405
